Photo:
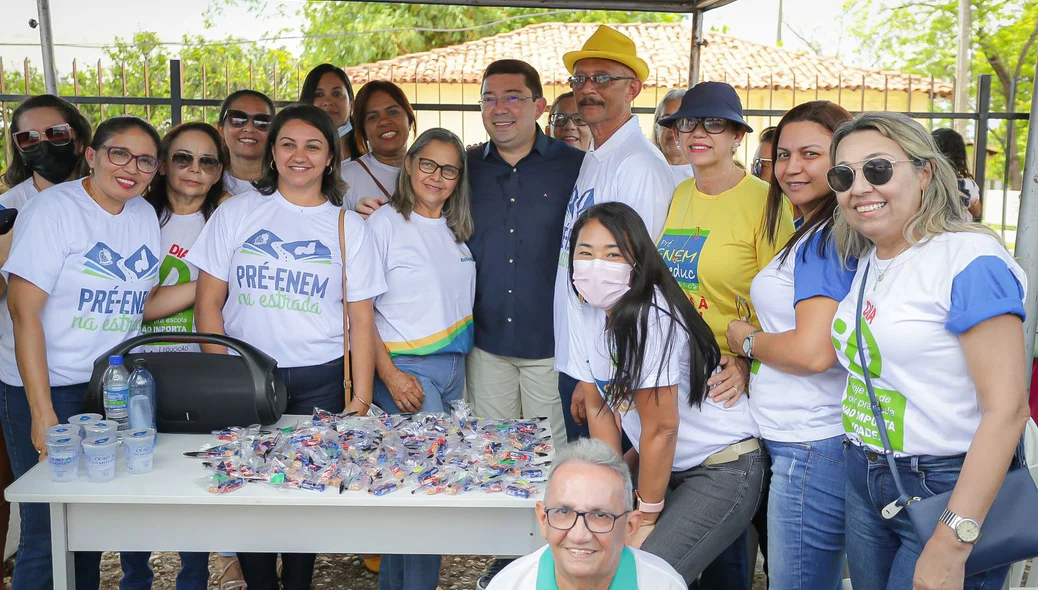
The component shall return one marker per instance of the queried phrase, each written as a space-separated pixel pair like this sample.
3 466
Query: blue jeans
137 573
806 514
574 431
442 377
729 571
882 553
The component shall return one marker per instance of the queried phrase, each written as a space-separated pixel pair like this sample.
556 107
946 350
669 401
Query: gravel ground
339 572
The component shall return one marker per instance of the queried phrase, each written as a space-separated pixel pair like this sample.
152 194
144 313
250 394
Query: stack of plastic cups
100 428
63 457
140 450
100 457
81 420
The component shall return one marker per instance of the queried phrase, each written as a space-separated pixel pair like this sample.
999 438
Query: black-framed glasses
758 165
431 166
712 125
121 156
508 100
596 521
599 80
239 119
560 120
184 160
28 141
877 172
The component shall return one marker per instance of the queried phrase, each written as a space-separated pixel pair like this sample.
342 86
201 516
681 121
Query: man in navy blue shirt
521 183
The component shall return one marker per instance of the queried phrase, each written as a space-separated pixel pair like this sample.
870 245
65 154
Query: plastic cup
140 450
100 428
99 452
62 431
82 420
63 457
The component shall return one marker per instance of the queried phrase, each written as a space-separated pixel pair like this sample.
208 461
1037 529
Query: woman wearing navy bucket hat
714 243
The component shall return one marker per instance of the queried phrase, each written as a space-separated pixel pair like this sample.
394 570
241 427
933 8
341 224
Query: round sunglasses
712 125
877 172
184 160
239 119
28 141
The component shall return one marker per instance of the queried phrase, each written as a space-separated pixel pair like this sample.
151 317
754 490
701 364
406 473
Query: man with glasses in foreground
621 165
588 519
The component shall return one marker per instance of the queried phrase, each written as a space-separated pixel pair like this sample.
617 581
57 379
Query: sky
73 24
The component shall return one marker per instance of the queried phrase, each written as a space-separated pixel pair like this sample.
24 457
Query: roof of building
665 46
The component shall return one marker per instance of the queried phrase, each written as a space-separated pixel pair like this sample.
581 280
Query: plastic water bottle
142 396
116 386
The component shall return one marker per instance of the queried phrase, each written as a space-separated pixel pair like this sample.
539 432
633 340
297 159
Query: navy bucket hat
709 99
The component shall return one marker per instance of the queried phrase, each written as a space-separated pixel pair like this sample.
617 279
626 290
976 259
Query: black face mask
53 162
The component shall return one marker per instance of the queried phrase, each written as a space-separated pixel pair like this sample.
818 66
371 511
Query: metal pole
176 99
778 28
1027 230
697 44
50 73
981 142
962 65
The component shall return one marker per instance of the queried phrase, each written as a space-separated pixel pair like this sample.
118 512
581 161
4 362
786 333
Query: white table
170 509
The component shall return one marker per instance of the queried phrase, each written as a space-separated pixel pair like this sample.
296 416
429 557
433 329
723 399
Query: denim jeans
319 386
707 510
806 516
574 431
882 553
137 573
442 377
729 571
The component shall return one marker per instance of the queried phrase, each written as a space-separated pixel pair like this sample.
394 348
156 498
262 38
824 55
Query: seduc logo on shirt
114 309
282 279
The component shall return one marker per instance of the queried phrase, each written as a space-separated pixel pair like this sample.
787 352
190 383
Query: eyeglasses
27 141
712 125
758 165
184 160
508 100
877 172
430 166
121 156
596 521
239 119
560 120
599 80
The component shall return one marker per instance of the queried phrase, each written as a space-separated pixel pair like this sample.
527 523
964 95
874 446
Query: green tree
919 37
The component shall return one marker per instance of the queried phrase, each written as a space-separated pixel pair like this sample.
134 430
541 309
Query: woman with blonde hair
942 325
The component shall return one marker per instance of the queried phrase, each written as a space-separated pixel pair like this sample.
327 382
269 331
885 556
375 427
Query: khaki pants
509 387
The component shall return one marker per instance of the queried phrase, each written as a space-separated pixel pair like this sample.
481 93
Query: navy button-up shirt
518 213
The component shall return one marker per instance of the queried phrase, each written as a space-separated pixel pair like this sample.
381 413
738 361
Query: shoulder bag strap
890 510
379 184
347 384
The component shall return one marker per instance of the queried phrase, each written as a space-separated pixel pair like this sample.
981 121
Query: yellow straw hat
608 43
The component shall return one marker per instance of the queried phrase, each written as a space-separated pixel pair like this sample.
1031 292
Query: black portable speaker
197 392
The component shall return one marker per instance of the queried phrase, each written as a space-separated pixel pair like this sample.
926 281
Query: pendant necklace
883 271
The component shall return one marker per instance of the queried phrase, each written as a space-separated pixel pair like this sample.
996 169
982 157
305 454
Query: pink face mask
601 283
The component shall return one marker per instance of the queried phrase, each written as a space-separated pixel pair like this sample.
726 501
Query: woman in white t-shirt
424 319
643 356
942 325
383 120
244 123
796 383
270 273
83 271
953 147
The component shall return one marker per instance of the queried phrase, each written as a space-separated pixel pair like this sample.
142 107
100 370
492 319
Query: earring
272 166
329 170
735 148
836 212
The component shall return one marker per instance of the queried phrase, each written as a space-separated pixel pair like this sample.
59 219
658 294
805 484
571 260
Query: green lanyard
625 578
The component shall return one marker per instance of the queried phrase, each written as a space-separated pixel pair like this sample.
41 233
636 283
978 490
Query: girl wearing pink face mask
643 355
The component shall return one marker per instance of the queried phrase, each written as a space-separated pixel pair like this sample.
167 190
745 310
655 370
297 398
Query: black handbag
1008 534
198 392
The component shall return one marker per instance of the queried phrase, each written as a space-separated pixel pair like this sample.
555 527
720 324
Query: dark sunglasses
430 166
239 119
121 156
184 160
877 172
713 125
560 120
27 141
758 165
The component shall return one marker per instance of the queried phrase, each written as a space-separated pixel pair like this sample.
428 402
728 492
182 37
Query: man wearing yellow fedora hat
621 165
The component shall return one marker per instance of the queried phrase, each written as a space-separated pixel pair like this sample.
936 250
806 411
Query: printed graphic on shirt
173 271
578 203
681 250
284 282
266 242
857 407
105 263
120 310
606 389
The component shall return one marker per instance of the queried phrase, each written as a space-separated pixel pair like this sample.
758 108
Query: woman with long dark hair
245 118
798 384
953 147
643 356
328 88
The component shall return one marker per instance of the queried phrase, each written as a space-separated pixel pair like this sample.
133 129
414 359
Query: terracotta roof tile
665 46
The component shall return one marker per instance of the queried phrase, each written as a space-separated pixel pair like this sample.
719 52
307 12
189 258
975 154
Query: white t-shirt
97 270
701 431
178 235
929 295
681 173
359 182
427 308
797 408
626 168
235 185
284 274
18 195
651 572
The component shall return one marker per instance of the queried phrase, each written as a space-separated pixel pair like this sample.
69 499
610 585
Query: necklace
883 271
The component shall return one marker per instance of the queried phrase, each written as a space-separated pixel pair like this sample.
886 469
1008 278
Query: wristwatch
966 529
648 507
747 344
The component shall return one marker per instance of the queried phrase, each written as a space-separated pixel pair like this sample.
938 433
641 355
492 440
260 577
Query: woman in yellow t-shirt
715 241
